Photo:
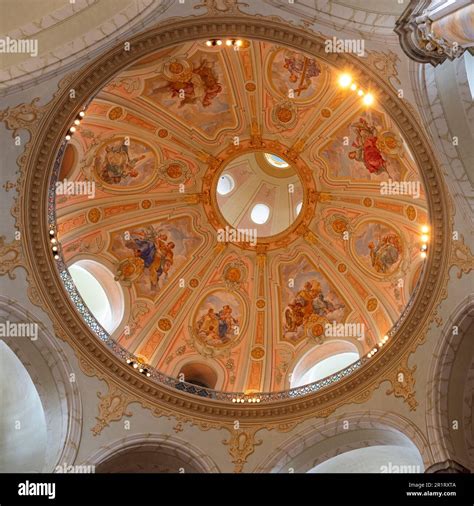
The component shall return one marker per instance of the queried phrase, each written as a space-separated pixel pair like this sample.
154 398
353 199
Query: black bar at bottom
243 489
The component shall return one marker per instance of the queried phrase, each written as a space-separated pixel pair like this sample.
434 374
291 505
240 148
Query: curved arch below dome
449 408
350 431
160 453
50 370
388 458
22 422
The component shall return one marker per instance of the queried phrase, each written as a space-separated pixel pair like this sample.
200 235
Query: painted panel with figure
378 247
150 255
309 302
365 149
193 90
218 322
124 162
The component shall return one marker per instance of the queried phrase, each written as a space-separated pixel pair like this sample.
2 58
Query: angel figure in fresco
117 164
385 253
301 70
217 327
366 149
309 302
156 252
201 85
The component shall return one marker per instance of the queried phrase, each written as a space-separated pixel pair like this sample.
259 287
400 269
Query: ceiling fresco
155 141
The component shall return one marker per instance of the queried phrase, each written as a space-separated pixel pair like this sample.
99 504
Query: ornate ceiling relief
155 141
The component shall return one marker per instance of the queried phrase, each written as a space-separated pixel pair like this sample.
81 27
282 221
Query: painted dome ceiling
238 204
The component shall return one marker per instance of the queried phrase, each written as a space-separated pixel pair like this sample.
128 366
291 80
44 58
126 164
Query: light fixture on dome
229 42
424 241
368 99
345 80
360 92
353 86
54 242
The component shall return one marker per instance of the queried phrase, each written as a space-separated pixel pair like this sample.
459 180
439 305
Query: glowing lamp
368 99
345 80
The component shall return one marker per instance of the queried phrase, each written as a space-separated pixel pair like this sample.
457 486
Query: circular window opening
260 214
225 185
276 161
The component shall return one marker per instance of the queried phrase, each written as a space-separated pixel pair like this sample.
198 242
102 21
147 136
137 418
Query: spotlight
360 92
55 248
51 232
425 229
239 42
258 399
56 257
53 241
219 42
424 247
353 86
82 114
229 42
68 137
424 238
135 365
148 374
129 360
345 80
233 400
209 43
72 129
140 370
368 99
77 121
423 254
